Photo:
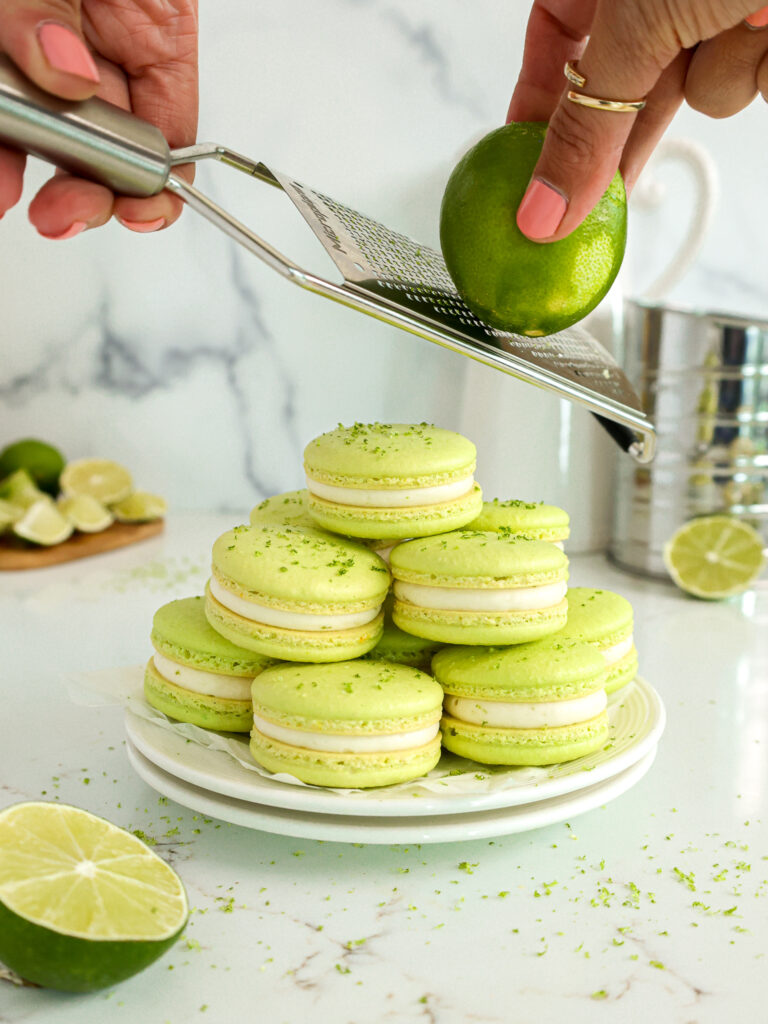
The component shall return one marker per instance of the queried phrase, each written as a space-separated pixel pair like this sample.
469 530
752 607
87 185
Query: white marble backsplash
204 372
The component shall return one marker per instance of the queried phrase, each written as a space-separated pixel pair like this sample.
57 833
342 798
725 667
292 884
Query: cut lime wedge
714 557
102 479
41 460
140 507
86 513
83 904
42 523
9 513
20 489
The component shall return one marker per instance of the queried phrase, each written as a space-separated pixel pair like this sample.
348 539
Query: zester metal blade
398 272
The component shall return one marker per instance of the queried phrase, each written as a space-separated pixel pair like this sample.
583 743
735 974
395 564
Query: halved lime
140 507
42 461
103 479
714 556
86 513
83 903
42 523
20 489
9 513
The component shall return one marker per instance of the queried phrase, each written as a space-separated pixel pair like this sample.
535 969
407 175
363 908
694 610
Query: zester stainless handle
91 138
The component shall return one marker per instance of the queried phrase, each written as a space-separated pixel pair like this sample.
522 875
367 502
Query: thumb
583 146
44 38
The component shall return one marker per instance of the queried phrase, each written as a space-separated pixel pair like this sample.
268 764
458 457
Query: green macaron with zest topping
287 509
532 704
605 620
391 480
475 587
353 724
298 595
532 519
196 675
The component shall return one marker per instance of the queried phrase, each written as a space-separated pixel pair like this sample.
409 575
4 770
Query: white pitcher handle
650 192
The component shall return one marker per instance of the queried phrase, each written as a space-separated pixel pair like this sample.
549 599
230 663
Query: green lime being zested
83 903
510 282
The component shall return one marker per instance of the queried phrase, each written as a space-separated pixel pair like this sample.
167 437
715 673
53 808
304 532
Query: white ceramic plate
636 717
388 830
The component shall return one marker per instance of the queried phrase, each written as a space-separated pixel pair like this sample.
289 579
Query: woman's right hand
140 55
655 50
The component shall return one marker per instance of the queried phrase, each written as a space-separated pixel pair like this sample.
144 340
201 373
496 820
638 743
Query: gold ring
595 102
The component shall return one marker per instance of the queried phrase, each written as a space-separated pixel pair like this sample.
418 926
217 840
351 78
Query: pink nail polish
142 226
65 51
759 19
541 210
72 230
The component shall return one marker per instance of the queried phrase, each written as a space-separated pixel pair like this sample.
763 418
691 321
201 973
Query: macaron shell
552 745
396 523
348 771
293 644
357 697
299 570
478 559
181 631
552 669
206 711
598 616
622 671
287 509
483 628
534 520
389 455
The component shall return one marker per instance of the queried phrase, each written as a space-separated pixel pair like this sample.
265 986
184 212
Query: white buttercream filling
198 680
615 653
288 620
343 744
468 599
510 715
397 498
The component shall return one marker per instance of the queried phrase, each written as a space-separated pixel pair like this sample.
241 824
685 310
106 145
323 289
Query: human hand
627 50
138 54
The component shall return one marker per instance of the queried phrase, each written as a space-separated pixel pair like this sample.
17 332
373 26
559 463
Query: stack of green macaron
357 608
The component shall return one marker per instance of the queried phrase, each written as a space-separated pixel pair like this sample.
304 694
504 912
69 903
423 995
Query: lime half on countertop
714 557
83 903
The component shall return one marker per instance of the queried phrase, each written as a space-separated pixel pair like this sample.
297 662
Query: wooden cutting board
15 556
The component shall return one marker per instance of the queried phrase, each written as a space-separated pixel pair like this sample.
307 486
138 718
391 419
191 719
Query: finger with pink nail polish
143 226
541 210
73 229
65 51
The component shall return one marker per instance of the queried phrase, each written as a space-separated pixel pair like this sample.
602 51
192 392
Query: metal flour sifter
385 274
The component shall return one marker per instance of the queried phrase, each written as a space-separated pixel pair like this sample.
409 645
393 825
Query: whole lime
41 460
510 282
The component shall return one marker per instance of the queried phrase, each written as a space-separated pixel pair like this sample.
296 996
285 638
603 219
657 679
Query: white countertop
652 907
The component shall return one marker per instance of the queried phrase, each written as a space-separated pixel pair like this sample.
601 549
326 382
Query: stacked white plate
215 784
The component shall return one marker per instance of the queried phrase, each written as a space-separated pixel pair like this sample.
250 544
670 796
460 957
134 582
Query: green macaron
400 647
196 675
531 519
604 619
298 595
391 480
532 704
353 724
474 587
287 509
